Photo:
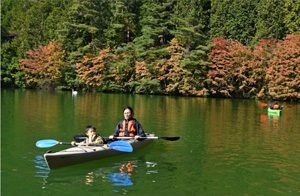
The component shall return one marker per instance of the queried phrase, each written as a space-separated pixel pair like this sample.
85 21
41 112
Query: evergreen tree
14 39
82 30
233 19
291 18
155 29
191 21
270 20
55 19
122 23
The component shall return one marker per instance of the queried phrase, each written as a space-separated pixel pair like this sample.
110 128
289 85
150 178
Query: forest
205 48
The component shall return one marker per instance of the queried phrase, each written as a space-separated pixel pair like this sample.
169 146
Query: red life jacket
130 129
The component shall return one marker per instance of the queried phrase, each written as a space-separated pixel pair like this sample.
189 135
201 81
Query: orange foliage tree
141 70
93 70
231 71
175 78
43 66
270 71
283 74
144 81
262 54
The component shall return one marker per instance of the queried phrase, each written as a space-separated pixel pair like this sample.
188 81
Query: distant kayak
80 154
274 112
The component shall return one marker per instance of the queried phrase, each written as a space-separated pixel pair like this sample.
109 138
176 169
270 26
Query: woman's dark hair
129 108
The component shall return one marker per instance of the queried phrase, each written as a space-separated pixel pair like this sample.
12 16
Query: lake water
227 147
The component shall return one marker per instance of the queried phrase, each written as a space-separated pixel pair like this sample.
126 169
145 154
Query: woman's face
127 114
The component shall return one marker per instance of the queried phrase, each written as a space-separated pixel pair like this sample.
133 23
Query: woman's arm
117 129
139 129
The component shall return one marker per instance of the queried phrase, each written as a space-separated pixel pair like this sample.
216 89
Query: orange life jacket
130 129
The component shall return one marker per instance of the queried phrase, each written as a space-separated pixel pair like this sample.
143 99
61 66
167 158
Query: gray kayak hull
80 154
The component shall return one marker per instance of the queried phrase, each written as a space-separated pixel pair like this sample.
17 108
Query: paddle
120 146
47 143
151 137
117 145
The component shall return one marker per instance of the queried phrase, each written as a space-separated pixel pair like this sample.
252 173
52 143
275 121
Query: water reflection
120 175
42 169
151 167
274 119
123 178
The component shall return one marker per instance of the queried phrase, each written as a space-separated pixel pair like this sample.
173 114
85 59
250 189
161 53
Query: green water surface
227 147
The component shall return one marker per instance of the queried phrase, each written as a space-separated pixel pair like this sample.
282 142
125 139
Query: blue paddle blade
121 146
46 143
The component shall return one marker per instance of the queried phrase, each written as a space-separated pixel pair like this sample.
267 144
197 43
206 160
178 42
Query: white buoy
74 92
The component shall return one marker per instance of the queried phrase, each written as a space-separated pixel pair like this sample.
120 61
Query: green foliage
122 22
82 29
291 16
155 29
190 28
155 46
270 20
144 86
234 19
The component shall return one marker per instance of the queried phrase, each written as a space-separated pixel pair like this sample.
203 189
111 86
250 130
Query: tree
122 23
174 78
283 74
44 66
231 72
190 20
93 70
143 81
270 20
291 16
262 53
83 29
155 29
233 20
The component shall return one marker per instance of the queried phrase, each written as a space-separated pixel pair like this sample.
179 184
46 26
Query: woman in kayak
129 126
92 137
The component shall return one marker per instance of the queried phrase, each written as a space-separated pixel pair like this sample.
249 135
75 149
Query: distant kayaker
276 106
128 126
92 138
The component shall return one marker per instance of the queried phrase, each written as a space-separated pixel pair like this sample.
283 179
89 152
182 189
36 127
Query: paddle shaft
127 138
150 137
115 145
66 143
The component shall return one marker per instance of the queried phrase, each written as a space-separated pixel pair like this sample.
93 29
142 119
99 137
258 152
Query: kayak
274 112
83 153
